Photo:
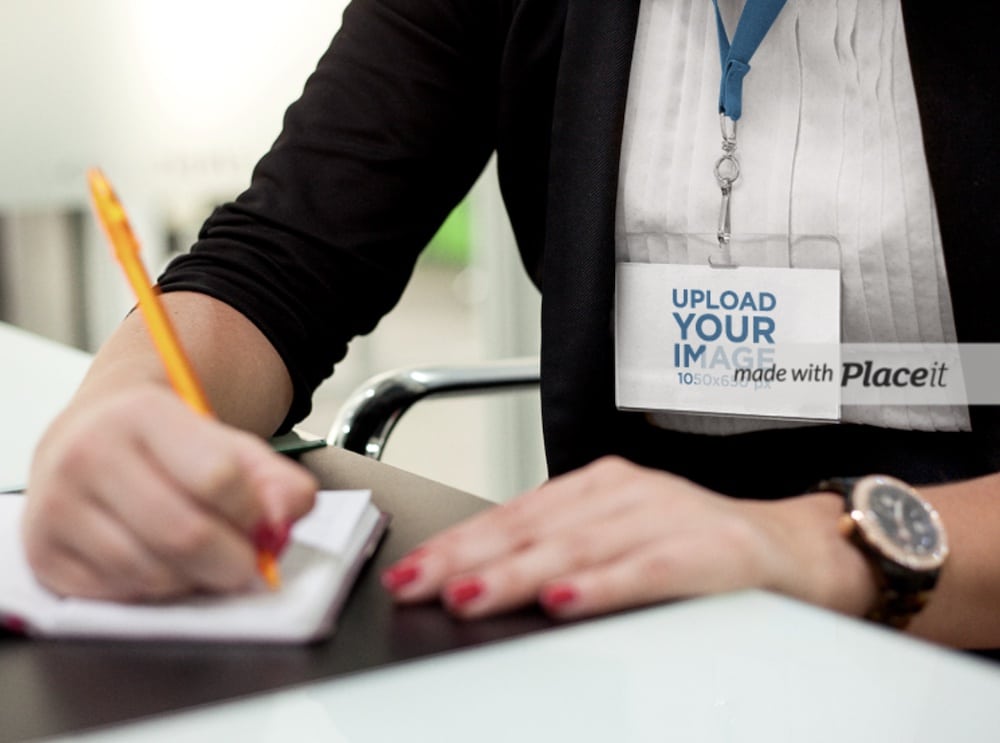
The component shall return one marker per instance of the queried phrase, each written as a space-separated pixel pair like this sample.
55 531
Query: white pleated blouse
829 144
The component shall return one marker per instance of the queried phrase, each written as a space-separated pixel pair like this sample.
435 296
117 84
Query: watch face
899 523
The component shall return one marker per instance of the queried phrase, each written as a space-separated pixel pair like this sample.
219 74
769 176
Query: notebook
326 552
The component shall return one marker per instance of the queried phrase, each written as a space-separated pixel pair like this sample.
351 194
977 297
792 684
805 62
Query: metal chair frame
365 421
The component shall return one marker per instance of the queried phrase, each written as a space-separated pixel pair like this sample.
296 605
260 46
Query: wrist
817 563
901 537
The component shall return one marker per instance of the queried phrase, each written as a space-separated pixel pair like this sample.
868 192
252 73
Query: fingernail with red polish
263 536
400 575
464 591
268 537
14 624
557 596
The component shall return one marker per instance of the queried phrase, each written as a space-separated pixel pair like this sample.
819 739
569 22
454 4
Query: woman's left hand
614 535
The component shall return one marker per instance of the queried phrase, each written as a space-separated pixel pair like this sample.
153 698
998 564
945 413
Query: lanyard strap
755 21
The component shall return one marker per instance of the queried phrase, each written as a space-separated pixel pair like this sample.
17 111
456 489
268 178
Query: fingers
517 579
205 550
285 489
572 503
670 569
144 499
227 471
610 536
120 561
629 561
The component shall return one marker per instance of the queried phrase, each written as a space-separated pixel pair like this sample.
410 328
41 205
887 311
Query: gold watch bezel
867 523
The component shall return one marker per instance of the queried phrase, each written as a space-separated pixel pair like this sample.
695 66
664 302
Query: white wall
169 97
174 100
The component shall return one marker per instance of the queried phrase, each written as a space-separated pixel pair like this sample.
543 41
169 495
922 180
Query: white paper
324 549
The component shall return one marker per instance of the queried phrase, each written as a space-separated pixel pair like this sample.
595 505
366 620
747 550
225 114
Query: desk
48 688
56 687
37 378
744 667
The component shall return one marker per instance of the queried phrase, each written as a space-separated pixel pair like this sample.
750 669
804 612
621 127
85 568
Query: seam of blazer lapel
588 117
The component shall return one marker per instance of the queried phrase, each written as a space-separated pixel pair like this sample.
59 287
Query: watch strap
901 592
840 485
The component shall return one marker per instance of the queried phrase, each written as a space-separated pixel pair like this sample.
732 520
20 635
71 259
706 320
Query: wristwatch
902 537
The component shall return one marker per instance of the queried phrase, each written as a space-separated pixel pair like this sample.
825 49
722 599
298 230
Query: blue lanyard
755 21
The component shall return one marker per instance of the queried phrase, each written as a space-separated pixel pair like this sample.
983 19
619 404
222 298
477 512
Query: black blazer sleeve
391 131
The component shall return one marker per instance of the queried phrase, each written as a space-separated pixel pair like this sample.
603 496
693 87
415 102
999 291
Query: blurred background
176 101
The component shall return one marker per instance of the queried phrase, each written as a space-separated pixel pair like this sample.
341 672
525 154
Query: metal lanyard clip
727 172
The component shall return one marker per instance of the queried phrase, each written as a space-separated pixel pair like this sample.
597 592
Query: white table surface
743 667
37 378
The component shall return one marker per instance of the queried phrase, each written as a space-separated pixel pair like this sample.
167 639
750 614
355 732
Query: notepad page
332 521
325 545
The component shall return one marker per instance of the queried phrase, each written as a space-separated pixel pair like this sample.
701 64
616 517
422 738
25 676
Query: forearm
964 610
245 379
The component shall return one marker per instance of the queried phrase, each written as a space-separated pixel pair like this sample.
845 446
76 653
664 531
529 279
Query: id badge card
729 339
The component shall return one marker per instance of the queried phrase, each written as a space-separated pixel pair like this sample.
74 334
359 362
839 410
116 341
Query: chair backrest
366 419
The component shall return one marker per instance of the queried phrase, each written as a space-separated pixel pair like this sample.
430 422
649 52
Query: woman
132 496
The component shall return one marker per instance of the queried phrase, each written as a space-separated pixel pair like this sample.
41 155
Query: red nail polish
14 624
557 596
271 538
464 591
263 536
400 575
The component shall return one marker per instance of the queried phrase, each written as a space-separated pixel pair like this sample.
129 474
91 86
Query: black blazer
399 119
952 67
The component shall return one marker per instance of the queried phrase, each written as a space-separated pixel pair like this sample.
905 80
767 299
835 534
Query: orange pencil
179 370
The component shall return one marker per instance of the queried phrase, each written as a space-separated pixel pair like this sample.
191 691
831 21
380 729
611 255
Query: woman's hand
615 535
135 497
